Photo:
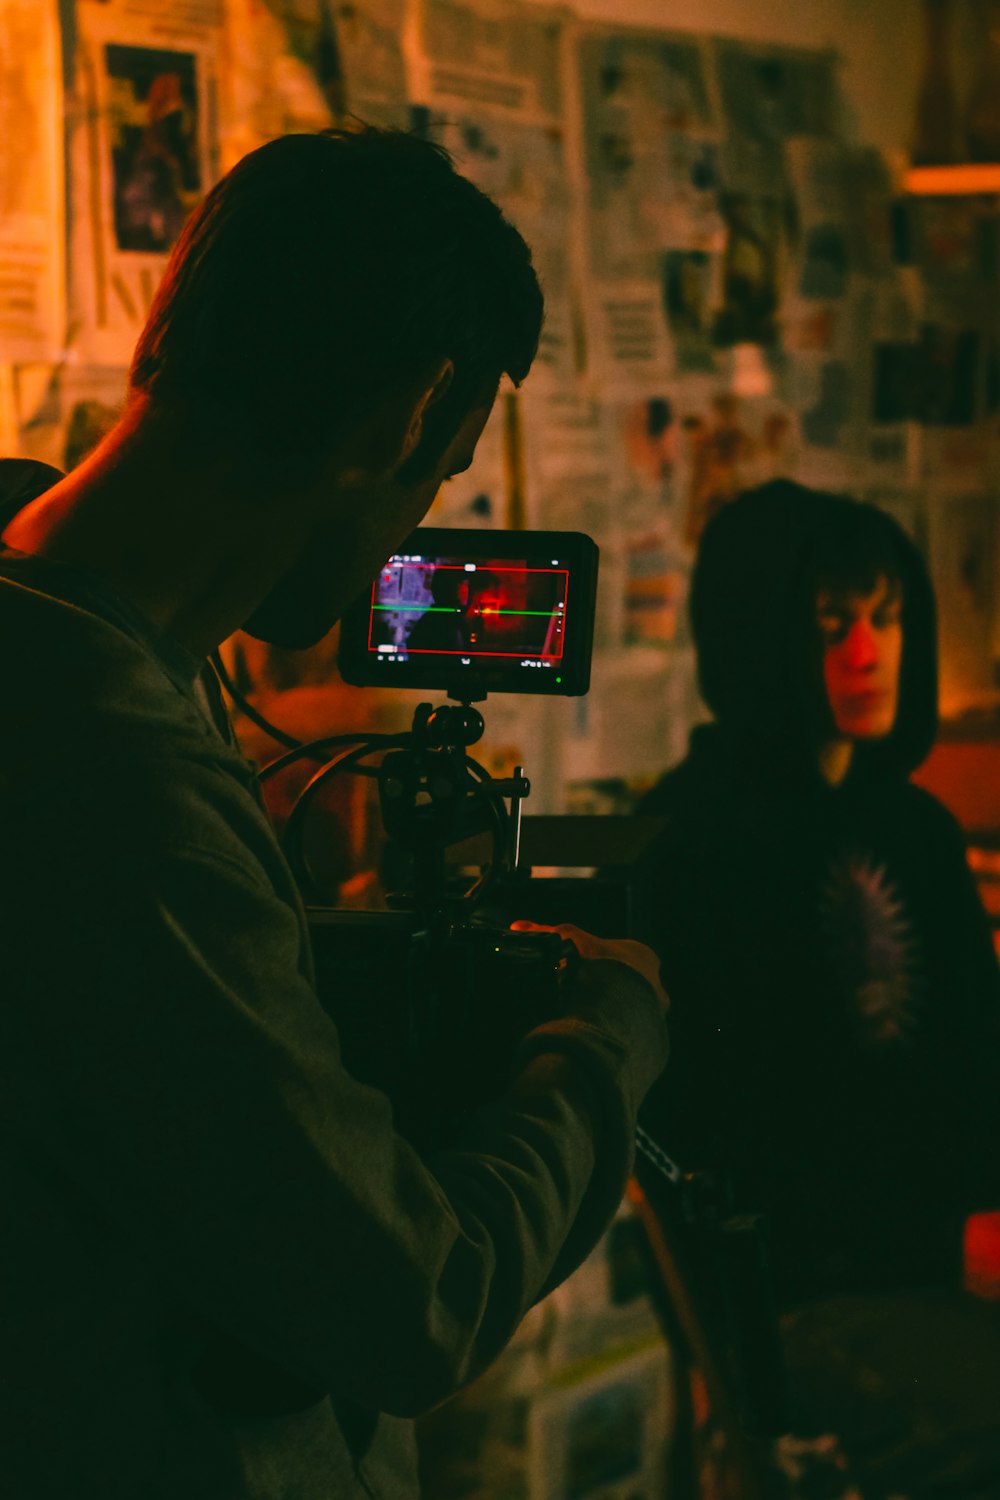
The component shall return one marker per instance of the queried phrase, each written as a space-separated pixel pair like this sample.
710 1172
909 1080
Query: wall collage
736 289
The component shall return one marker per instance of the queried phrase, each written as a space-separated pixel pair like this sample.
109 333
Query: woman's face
862 637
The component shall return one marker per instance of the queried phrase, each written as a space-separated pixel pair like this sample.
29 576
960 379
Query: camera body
432 1015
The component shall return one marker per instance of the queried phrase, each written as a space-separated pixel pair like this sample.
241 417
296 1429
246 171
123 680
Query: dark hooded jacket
834 988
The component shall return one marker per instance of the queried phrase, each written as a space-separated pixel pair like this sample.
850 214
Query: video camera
432 995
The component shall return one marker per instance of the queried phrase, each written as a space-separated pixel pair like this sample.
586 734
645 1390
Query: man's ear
432 387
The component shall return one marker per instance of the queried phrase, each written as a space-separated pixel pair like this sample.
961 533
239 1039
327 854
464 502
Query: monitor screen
510 610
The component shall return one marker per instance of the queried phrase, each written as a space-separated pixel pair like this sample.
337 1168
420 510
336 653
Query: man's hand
620 950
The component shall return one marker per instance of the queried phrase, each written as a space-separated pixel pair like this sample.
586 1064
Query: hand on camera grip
620 950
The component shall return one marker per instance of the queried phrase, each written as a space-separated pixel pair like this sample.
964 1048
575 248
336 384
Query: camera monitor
476 611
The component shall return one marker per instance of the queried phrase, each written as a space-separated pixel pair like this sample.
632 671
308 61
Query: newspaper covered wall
735 287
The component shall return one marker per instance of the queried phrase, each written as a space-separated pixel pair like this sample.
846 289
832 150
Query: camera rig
430 996
432 794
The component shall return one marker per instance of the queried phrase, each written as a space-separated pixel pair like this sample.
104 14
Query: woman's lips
867 699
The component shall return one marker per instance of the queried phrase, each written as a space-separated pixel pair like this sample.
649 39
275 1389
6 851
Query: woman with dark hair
835 993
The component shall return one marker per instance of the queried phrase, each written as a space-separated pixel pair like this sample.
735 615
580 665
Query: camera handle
461 724
430 793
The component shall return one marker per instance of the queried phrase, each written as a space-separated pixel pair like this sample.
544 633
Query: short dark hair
858 547
326 270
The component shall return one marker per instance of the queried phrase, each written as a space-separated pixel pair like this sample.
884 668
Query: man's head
814 622
339 312
326 273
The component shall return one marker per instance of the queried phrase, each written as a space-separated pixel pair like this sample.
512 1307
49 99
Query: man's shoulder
91 709
70 668
45 637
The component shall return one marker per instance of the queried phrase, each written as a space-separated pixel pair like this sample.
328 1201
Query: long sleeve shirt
204 1213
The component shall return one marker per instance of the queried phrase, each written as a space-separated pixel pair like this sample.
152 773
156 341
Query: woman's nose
861 647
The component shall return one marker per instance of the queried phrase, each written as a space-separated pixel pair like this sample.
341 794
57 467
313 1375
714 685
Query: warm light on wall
969 179
750 374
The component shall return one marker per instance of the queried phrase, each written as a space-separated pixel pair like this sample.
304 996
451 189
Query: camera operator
224 1273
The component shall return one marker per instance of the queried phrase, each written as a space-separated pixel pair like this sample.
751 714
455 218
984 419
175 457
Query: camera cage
432 794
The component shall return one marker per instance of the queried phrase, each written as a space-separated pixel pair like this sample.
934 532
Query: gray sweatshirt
223 1273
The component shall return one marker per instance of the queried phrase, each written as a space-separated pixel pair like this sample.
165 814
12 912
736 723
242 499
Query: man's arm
176 1064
